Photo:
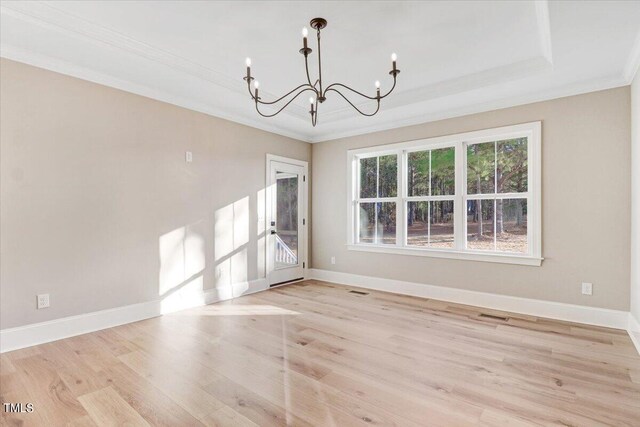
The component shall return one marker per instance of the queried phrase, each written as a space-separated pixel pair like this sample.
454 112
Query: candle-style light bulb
394 57
248 62
377 84
311 100
305 33
256 84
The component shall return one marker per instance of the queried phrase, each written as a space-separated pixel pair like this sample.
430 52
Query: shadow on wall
183 258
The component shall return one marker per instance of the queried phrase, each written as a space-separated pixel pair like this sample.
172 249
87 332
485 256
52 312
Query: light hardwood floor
315 354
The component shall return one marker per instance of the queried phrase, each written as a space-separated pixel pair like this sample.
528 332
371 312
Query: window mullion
375 223
495 224
495 201
400 204
459 204
378 176
429 205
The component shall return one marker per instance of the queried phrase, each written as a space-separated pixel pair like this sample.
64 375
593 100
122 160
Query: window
376 207
469 196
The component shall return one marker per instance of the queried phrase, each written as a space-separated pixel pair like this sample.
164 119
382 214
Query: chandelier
319 92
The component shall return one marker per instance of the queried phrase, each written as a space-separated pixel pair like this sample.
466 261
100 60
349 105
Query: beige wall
99 208
585 198
635 199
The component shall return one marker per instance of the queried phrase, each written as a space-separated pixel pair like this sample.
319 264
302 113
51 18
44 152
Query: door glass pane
481 168
418 173
367 213
287 219
511 225
512 166
417 224
388 176
368 177
441 224
480 224
443 172
386 224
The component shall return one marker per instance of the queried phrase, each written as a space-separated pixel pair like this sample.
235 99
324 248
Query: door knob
274 232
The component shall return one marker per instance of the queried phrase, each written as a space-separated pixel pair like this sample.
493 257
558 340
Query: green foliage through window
497 167
379 177
431 172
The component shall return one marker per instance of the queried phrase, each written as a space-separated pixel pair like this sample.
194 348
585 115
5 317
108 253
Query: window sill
440 253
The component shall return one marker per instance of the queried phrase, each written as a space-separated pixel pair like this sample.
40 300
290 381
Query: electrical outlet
333 260
43 301
587 288
188 156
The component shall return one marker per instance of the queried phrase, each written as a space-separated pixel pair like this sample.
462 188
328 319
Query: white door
286 219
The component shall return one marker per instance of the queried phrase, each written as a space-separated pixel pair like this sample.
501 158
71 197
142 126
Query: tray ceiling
456 57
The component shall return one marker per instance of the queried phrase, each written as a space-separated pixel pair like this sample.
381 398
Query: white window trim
532 130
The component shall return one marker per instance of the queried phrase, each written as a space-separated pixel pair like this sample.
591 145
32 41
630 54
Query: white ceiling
456 57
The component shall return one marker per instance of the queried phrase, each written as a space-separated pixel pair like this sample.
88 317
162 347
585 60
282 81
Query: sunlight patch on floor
239 310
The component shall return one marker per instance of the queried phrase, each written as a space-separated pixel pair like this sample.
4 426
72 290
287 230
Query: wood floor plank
315 354
183 391
52 399
251 406
151 403
227 417
107 408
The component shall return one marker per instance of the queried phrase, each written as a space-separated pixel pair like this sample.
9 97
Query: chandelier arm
330 87
306 67
285 105
390 90
351 103
282 97
362 94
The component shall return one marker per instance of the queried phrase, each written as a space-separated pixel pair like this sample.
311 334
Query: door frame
303 205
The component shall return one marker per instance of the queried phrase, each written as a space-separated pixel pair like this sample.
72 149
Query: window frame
460 141
375 200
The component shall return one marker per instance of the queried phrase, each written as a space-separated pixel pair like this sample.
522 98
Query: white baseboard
53 330
554 310
39 333
634 331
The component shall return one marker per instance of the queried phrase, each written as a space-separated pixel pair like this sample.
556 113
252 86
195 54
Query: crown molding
633 61
544 29
42 61
520 69
492 76
562 92
47 16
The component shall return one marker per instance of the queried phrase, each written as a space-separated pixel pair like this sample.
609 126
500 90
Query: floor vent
491 316
359 292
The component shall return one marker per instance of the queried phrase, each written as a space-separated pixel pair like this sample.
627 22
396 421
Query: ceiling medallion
319 92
